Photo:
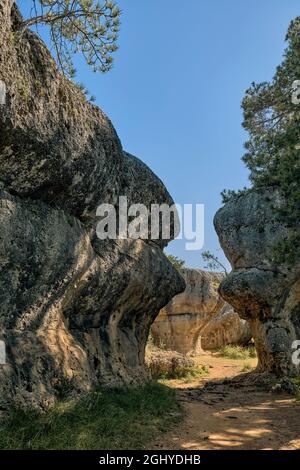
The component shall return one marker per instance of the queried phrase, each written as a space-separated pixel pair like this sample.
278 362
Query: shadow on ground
233 414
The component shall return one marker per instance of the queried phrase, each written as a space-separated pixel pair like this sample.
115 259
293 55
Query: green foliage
177 262
85 92
87 27
195 373
290 385
102 420
229 195
272 155
296 388
212 262
237 352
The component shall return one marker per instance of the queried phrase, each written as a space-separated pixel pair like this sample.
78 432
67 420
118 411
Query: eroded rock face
225 328
54 145
71 306
199 318
266 295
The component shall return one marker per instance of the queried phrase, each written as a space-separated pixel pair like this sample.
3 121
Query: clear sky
175 90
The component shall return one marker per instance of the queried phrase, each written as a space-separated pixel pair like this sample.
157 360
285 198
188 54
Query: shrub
296 386
172 365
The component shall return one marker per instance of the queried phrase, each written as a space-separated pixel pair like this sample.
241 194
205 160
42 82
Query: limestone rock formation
199 318
266 295
73 307
225 328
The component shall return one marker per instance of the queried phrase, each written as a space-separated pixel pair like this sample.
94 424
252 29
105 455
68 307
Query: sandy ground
224 416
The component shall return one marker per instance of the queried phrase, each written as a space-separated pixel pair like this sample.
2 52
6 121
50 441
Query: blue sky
175 90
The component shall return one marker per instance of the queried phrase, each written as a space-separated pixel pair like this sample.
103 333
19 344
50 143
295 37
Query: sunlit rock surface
199 318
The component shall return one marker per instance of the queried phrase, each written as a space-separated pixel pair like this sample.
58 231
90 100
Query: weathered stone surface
71 306
266 295
199 318
54 145
225 328
65 311
140 184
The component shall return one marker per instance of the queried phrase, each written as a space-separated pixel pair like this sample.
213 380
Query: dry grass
247 367
237 352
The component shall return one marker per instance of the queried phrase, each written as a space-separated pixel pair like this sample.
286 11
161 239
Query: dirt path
222 416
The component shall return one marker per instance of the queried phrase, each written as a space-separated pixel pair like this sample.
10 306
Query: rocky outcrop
199 318
225 328
266 295
73 307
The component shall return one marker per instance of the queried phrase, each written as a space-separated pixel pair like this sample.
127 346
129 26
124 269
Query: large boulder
72 307
265 294
199 318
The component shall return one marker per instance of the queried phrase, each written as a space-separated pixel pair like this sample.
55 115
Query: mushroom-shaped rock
265 294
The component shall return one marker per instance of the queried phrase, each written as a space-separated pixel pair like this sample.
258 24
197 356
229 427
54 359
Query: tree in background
212 262
87 27
177 262
272 118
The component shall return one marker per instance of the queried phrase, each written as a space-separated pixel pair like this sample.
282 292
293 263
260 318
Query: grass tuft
246 367
101 420
195 373
237 352
187 374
